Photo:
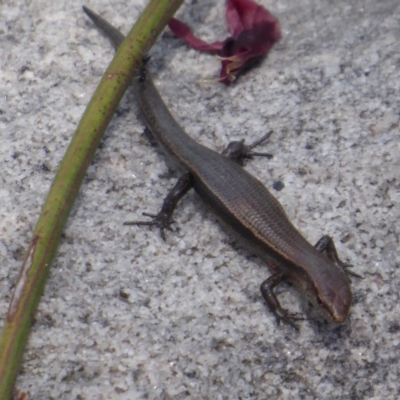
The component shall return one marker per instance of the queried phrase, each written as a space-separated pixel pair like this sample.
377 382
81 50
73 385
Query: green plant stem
65 187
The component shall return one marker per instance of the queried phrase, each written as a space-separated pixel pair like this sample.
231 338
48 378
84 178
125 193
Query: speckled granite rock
127 316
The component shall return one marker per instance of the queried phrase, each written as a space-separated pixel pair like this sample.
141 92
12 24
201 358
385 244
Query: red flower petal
253 28
237 55
251 42
245 14
184 32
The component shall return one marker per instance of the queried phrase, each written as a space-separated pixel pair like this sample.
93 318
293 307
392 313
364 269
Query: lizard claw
160 220
288 318
348 272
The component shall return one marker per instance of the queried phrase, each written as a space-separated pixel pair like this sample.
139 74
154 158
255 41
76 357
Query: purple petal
184 32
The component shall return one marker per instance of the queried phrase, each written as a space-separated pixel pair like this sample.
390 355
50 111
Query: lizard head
333 296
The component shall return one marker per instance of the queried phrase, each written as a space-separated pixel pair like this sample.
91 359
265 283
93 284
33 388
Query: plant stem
66 184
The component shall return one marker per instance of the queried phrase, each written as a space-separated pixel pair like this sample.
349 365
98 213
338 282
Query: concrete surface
127 316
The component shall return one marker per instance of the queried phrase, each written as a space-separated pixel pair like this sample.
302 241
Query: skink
243 203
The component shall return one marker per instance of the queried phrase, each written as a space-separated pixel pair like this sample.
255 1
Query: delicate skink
243 203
